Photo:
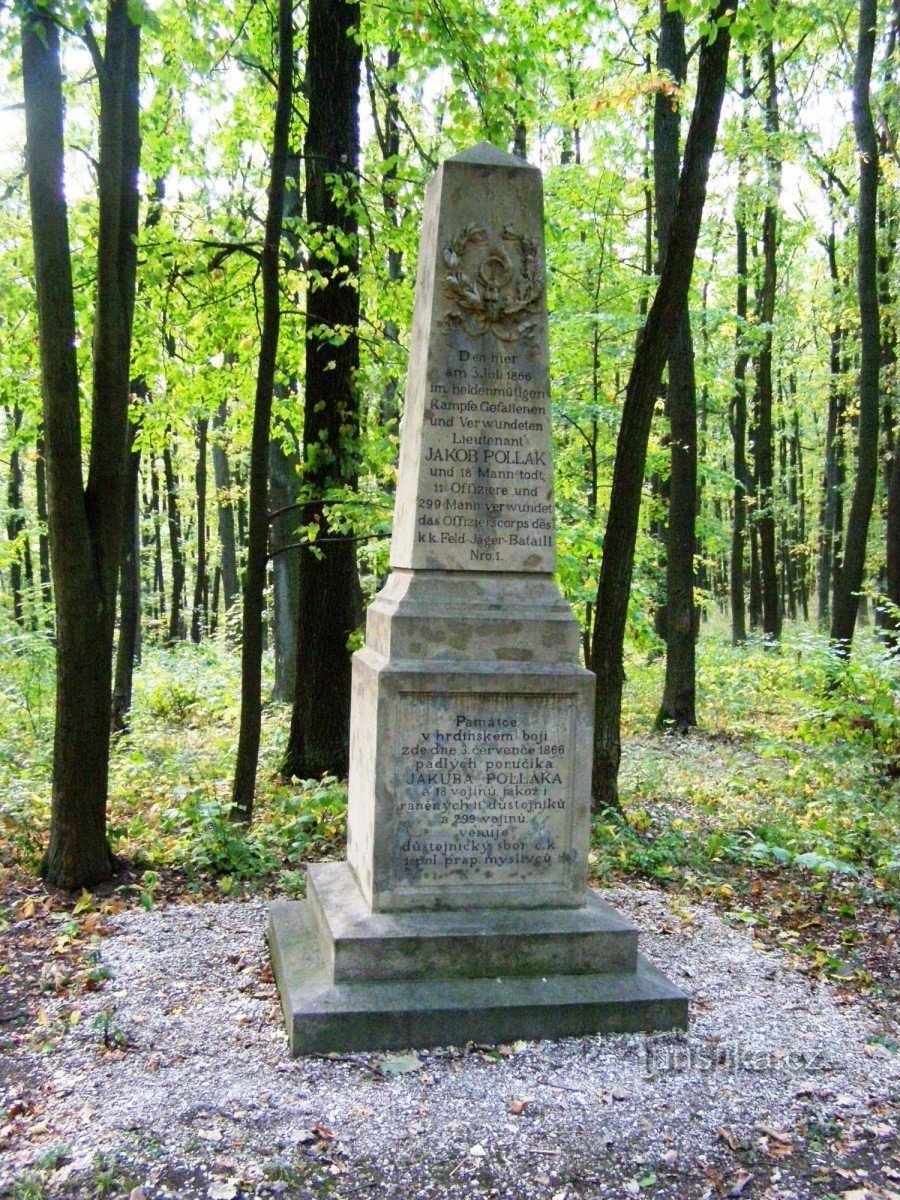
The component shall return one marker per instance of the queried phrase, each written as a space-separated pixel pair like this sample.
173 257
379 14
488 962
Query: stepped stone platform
350 978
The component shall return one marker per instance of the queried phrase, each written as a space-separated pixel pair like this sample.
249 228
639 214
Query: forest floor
141 1047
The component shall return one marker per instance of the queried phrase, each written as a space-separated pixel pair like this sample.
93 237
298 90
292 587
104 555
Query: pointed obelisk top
475 486
485 155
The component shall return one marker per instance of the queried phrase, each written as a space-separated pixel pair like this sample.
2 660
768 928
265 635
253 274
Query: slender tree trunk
739 400
387 131
284 480
284 484
803 548
15 515
257 546
637 414
128 648
754 608
329 606
846 596
85 522
176 547
40 483
764 433
201 582
224 510
156 504
678 708
829 523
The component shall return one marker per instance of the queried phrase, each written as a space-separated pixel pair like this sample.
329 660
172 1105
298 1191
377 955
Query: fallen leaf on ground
518 1107
400 1064
729 1137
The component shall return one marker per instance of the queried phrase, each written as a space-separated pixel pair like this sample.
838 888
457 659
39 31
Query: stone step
359 945
324 1016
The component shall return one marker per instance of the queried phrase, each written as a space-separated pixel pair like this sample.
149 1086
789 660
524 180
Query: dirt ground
143 1056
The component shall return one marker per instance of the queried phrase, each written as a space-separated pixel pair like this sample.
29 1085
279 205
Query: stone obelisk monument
462 911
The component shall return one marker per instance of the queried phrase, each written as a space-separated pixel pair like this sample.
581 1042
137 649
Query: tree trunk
258 540
201 581
128 648
224 510
828 512
15 515
156 505
738 414
678 708
764 434
850 580
85 523
329 605
284 484
40 482
176 546
637 414
387 131
284 479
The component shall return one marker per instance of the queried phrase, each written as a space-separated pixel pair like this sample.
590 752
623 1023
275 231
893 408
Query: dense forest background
273 241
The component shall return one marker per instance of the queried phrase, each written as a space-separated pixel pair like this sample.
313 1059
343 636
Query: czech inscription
483 790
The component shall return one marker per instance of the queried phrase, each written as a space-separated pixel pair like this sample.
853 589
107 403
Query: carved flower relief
496 290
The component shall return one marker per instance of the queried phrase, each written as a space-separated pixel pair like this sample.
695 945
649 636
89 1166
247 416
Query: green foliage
791 770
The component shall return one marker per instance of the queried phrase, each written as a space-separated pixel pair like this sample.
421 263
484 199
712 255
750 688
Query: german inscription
483 788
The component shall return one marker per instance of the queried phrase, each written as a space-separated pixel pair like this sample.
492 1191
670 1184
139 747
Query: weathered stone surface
475 489
462 911
466 789
358 944
325 1016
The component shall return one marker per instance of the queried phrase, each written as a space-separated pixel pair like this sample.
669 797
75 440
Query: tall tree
763 434
258 530
224 509
329 606
738 413
640 396
128 646
201 579
85 521
850 579
678 708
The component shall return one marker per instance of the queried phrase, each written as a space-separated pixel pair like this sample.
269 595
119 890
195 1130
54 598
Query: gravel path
194 1093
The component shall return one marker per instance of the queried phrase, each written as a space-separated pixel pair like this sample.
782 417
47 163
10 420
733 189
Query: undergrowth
794 770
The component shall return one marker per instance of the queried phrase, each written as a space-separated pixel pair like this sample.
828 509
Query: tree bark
329 605
15 515
85 522
637 414
764 433
258 531
176 547
678 708
40 484
284 483
201 580
738 415
284 479
128 647
850 580
224 509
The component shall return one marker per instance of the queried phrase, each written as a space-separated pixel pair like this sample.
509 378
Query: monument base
350 979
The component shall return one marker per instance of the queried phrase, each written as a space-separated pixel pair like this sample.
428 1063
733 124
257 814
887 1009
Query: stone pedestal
462 912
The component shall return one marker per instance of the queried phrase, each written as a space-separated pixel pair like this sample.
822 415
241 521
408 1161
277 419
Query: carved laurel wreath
496 297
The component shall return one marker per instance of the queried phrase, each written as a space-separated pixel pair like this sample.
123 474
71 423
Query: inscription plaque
484 789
